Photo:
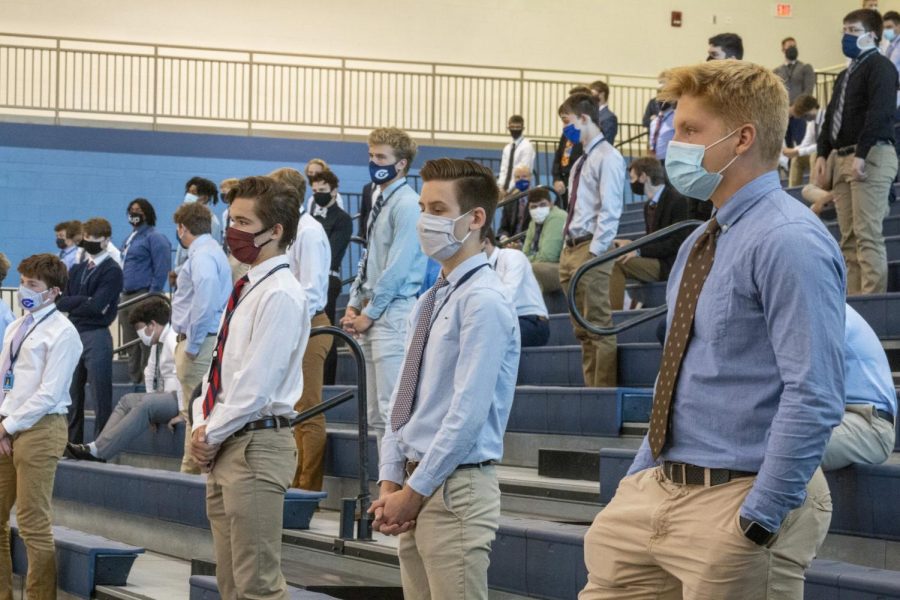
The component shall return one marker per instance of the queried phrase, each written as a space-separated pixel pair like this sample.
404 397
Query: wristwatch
755 532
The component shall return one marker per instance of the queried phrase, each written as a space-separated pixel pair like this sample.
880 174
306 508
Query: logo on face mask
381 174
31 300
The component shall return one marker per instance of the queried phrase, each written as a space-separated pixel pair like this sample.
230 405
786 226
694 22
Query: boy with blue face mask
37 359
448 413
856 156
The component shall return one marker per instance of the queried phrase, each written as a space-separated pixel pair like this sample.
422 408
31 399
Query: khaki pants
598 360
446 555
862 438
861 208
637 267
245 504
547 275
310 434
660 540
799 167
190 373
26 480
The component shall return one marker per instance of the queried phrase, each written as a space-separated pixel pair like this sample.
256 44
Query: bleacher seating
204 587
83 561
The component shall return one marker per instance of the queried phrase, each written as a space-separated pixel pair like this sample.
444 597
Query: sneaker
80 452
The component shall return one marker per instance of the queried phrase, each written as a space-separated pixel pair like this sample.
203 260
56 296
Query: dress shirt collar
394 186
67 251
746 198
466 266
587 149
98 260
199 242
657 195
164 334
492 259
40 314
255 274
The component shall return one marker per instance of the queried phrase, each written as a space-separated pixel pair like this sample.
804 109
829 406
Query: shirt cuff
422 483
393 472
765 512
372 312
11 425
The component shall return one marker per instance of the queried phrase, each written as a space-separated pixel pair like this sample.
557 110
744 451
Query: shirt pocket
713 308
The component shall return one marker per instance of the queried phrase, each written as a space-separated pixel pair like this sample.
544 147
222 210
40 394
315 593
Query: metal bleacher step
153 575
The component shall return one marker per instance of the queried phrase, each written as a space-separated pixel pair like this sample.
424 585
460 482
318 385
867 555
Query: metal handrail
634 138
131 302
520 195
364 526
612 255
511 239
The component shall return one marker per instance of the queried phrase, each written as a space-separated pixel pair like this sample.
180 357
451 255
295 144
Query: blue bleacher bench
204 587
83 561
165 495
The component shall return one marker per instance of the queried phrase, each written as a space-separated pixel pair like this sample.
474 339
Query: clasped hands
355 323
396 509
203 453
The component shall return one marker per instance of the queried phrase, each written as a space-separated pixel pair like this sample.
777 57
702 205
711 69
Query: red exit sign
784 10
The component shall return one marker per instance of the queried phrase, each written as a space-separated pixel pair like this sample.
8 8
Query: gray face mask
437 237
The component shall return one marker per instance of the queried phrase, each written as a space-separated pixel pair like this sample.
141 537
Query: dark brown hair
4 266
870 19
649 166
46 267
803 104
582 104
325 177
97 227
151 309
291 177
536 195
195 217
72 228
601 87
275 203
475 184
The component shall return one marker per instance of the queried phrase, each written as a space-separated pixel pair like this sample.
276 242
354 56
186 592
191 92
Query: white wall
618 36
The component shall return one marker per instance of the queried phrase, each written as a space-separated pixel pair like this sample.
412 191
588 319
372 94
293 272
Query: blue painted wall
50 174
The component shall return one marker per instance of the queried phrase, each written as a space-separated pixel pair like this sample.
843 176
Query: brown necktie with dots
695 271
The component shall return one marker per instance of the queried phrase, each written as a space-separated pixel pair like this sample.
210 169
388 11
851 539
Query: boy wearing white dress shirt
159 405
39 354
310 260
241 428
522 290
449 411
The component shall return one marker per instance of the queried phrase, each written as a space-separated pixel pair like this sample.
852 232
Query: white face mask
189 197
147 340
437 237
31 300
539 214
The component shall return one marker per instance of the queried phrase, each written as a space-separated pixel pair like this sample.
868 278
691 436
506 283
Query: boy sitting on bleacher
866 433
39 354
159 405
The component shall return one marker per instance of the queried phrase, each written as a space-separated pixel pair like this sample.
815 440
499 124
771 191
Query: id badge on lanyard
8 380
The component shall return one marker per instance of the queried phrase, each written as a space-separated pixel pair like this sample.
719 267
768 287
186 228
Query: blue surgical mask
572 134
522 185
189 197
850 45
381 174
684 167
890 34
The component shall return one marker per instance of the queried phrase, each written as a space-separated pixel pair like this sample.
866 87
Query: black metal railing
361 243
132 302
613 255
512 239
491 162
363 500
519 195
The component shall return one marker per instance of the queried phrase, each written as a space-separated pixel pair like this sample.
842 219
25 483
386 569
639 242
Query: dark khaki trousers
26 481
637 267
598 360
310 434
245 504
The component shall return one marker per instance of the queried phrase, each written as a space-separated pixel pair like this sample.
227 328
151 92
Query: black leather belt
885 415
183 336
572 242
411 466
846 150
267 423
685 474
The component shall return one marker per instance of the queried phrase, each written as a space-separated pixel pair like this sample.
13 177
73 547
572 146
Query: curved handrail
520 195
633 138
513 238
142 297
612 255
364 528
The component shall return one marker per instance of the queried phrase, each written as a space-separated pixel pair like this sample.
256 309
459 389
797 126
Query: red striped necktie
215 370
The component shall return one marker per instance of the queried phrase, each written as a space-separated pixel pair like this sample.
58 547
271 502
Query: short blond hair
738 92
316 161
399 141
291 177
522 168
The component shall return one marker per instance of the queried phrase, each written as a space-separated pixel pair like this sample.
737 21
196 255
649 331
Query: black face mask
322 199
515 133
791 53
136 219
92 248
637 188
61 243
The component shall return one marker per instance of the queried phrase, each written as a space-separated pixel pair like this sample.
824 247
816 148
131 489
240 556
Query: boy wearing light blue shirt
449 410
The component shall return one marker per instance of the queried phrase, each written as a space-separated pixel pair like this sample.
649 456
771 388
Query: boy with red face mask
241 430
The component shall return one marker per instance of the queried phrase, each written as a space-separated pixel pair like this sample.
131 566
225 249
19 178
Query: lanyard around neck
14 355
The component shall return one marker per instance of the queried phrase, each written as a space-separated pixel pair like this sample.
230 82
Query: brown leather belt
572 242
685 474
